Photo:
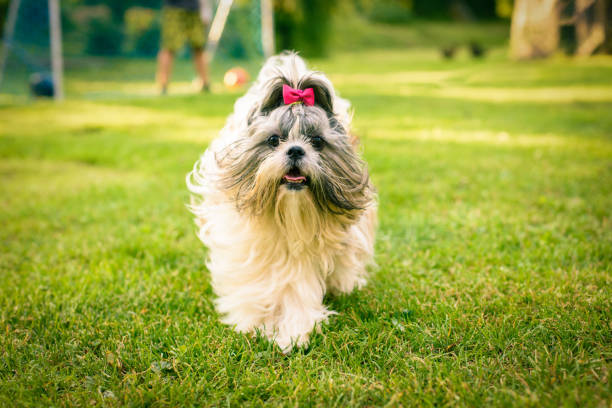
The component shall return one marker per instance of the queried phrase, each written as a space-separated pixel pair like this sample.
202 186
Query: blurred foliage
119 7
132 27
143 30
430 9
104 37
241 37
303 25
607 47
3 10
455 9
147 41
391 12
503 8
38 19
138 19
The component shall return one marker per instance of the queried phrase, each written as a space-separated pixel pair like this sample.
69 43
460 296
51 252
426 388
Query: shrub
390 12
142 30
303 25
103 37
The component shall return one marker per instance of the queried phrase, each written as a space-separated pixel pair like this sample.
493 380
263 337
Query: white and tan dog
284 204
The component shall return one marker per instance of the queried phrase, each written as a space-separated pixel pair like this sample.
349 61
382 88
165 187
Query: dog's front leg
350 264
299 312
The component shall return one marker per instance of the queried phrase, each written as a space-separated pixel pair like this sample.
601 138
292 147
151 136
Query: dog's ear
273 91
274 95
322 91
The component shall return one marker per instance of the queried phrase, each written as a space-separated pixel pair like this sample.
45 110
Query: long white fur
270 274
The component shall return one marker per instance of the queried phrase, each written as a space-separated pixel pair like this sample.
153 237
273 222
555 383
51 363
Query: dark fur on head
274 94
338 178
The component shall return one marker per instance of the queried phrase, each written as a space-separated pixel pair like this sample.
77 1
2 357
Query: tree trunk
590 26
535 29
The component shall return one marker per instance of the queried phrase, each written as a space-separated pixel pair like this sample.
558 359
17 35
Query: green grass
494 285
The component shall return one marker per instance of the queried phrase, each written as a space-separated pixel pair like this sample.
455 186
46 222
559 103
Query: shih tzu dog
284 204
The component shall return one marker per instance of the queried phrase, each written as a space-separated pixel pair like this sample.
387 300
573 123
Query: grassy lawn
494 285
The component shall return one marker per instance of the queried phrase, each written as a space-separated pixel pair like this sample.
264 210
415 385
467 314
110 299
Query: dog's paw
344 287
287 344
288 341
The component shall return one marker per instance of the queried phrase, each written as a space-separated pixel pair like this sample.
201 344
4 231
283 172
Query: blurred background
109 47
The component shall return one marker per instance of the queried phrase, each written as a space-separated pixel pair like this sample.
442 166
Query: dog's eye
317 142
273 140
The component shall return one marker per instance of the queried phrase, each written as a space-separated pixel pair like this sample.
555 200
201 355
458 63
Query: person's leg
172 39
196 35
164 69
201 66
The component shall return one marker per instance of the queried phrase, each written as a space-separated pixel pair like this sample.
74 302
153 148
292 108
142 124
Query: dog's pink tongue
294 179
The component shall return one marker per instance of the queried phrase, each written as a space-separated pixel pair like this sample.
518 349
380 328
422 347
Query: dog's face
296 149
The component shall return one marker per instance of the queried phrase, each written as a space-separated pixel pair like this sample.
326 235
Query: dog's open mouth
294 179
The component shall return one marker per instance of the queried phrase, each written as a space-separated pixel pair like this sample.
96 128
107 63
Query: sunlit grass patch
41 179
463 136
86 118
390 79
119 88
548 95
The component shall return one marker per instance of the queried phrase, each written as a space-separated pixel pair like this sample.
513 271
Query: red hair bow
291 95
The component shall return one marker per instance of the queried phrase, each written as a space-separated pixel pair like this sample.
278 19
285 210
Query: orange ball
235 77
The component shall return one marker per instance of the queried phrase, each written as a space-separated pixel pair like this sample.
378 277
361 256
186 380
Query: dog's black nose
295 152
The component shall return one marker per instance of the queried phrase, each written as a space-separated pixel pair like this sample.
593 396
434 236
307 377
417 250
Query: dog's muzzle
294 179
